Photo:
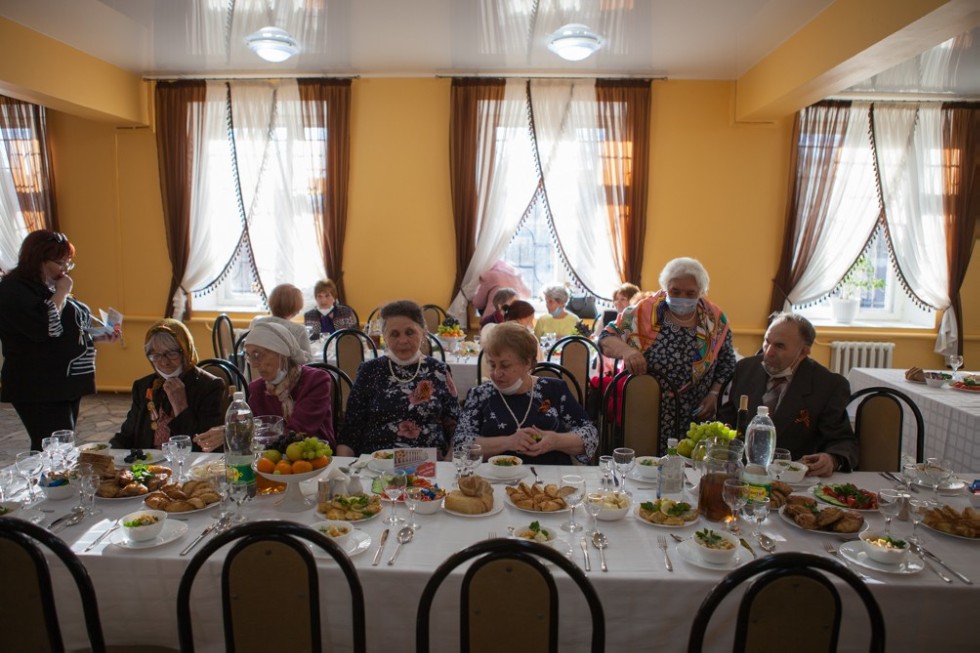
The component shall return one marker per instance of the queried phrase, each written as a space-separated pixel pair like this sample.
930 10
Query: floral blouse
487 413
392 406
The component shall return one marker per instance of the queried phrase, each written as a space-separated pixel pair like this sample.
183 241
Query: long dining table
644 604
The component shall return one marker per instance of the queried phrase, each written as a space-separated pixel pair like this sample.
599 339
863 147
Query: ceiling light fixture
574 42
273 44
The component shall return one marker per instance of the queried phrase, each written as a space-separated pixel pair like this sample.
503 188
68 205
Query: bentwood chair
349 346
432 347
878 425
556 371
262 552
791 605
240 359
223 337
490 619
581 356
341 390
633 410
227 372
433 316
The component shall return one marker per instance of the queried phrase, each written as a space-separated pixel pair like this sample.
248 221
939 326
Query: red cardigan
312 395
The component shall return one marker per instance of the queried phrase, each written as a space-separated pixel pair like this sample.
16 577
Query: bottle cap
239 396
763 410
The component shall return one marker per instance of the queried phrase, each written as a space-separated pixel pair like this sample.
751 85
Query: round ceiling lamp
574 42
272 44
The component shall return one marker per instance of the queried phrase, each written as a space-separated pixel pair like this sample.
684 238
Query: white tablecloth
952 417
645 606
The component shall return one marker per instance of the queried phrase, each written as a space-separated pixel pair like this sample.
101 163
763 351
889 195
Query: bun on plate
474 496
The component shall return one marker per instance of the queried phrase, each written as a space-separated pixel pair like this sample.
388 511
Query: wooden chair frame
433 312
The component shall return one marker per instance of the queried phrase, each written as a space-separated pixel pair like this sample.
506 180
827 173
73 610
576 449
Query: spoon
72 518
600 541
536 479
405 536
767 543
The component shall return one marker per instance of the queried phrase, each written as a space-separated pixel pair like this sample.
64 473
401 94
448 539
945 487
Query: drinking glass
167 449
624 458
237 492
29 465
917 510
935 472
412 497
955 361
394 487
781 454
219 479
459 460
573 499
65 440
88 484
49 449
181 448
75 475
760 510
608 481
593 503
910 472
735 494
890 505
474 456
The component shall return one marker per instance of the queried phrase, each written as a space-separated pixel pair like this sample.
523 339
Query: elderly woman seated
300 395
285 303
179 398
403 399
329 315
558 321
515 413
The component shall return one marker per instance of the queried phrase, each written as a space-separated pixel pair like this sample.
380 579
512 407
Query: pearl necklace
530 401
394 377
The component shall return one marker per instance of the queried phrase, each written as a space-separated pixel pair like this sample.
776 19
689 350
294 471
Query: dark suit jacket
812 416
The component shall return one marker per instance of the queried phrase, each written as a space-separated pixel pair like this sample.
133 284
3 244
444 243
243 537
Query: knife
381 547
585 553
929 563
748 546
101 537
204 533
945 566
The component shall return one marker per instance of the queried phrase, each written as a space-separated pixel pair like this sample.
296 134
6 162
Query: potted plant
859 281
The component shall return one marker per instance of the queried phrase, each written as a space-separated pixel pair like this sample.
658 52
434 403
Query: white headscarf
277 338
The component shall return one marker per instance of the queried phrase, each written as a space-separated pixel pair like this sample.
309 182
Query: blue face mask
682 305
557 311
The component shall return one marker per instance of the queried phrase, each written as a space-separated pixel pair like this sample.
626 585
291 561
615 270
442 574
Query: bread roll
474 496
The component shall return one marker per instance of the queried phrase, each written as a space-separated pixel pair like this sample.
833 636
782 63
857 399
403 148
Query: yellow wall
717 192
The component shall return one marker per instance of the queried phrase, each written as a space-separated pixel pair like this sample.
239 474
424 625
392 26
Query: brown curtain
813 167
961 197
470 98
326 105
24 130
178 112
624 110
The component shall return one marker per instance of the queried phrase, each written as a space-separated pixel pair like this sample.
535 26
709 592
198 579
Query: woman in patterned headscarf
179 398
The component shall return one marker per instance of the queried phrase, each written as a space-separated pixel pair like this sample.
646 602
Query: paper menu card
421 462
106 323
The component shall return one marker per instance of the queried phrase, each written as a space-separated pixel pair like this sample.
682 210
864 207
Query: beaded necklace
394 377
530 402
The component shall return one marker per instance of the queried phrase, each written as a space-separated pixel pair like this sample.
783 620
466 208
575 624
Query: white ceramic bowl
615 506
430 507
793 471
381 462
884 554
146 532
937 379
57 492
647 467
338 531
506 466
716 556
525 533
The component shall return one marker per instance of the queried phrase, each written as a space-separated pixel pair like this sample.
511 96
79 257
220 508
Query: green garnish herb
140 472
649 507
898 544
708 536
678 509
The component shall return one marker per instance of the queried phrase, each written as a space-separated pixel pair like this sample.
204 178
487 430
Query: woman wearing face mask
518 414
401 399
683 337
558 321
329 315
179 398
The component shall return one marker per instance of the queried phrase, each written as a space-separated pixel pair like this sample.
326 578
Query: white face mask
513 388
786 371
414 358
324 311
280 375
177 372
682 305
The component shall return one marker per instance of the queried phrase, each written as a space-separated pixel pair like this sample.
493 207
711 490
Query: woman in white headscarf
285 387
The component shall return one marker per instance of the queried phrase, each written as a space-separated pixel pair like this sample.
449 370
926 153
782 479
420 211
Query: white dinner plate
490 473
945 534
498 505
533 512
635 479
153 457
687 550
185 512
847 536
172 530
806 483
357 543
854 552
384 509
812 491
18 511
650 523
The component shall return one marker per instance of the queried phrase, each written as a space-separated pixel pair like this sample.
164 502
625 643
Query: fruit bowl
292 499
450 344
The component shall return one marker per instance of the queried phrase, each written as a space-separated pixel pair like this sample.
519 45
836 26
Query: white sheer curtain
909 147
850 218
506 186
12 227
569 147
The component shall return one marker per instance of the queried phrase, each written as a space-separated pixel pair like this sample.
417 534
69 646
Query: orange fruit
321 462
302 466
265 466
283 467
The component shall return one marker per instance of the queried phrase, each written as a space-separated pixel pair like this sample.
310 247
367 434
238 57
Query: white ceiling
678 39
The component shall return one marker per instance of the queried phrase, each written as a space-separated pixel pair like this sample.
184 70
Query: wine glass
910 473
237 491
935 472
917 511
49 449
593 504
955 361
608 481
29 465
474 457
180 448
459 461
65 444
219 479
890 505
781 454
624 458
75 475
574 499
760 510
167 450
394 488
412 497
736 495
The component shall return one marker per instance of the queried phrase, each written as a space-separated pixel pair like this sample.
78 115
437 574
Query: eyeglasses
57 237
173 355
68 265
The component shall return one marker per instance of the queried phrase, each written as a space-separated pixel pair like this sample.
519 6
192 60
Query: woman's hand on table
210 439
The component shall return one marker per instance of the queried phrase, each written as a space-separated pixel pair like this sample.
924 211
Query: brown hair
285 301
403 308
517 310
325 285
513 337
41 246
627 290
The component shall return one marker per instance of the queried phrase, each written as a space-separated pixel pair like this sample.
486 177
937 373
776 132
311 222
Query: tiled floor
99 418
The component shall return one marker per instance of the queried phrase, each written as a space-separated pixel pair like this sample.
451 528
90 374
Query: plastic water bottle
760 444
670 480
239 437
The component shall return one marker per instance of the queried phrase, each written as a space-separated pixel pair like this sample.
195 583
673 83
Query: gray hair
807 332
164 340
555 292
685 267
502 295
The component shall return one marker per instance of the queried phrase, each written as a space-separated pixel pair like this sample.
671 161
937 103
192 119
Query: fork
832 550
662 543
492 535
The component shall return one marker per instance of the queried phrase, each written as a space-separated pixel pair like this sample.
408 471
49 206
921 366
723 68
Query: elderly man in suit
807 402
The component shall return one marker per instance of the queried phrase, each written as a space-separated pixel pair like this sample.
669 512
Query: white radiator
844 355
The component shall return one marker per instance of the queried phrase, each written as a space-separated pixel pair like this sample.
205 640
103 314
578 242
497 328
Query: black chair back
223 337
240 358
878 424
432 347
342 386
557 371
583 358
433 316
633 411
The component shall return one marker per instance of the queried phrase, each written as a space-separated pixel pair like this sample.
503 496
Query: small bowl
716 556
615 506
879 553
525 533
937 379
793 471
146 532
431 506
647 467
383 459
506 466
56 487
336 530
